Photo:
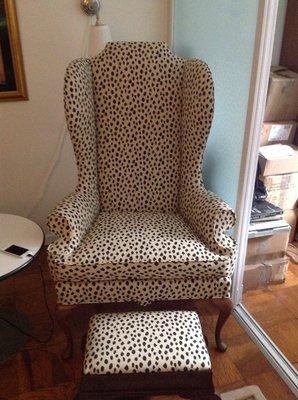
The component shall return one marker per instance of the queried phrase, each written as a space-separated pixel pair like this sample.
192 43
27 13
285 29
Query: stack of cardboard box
266 261
280 174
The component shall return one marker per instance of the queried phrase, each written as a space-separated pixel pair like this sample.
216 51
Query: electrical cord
43 186
49 337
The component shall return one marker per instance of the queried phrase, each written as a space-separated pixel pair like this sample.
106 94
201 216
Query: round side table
15 230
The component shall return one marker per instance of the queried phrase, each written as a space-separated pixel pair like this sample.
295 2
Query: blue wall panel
222 33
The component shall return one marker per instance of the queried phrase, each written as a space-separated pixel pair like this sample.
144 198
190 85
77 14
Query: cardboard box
285 164
282 96
291 216
282 190
285 199
278 132
281 182
264 248
261 275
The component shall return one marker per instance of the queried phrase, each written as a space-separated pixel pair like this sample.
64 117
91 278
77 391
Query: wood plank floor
53 379
275 308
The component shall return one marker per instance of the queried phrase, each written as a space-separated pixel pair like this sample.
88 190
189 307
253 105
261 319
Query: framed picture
12 77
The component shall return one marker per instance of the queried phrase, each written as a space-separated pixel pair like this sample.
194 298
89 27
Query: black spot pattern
142 245
139 118
137 100
144 342
142 291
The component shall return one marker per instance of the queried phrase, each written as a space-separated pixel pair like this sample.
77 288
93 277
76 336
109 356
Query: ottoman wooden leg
205 397
225 307
210 397
62 315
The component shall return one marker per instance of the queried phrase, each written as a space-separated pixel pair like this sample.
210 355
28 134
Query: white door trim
171 18
255 112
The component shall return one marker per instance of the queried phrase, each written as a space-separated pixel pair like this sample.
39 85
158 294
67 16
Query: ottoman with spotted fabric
138 354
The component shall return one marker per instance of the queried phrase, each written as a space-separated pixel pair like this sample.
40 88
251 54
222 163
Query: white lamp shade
99 36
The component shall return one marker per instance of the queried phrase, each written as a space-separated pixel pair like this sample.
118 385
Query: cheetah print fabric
141 246
145 342
143 291
70 220
137 101
209 216
81 123
139 118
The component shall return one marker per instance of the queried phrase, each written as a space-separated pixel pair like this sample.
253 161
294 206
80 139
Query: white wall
53 33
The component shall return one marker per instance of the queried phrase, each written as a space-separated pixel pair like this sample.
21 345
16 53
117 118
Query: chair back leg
225 307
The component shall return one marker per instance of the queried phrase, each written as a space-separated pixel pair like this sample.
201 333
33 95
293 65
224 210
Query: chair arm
211 217
70 220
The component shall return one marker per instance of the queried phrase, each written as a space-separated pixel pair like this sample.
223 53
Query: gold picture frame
12 75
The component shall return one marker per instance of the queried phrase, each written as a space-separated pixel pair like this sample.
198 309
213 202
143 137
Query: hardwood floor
275 308
50 378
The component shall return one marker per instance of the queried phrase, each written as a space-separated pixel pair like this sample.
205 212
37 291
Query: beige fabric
137 96
208 215
81 123
144 342
139 119
141 246
143 291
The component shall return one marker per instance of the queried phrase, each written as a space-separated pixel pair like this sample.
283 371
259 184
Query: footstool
136 354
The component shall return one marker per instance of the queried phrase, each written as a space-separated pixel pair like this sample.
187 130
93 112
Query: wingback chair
140 225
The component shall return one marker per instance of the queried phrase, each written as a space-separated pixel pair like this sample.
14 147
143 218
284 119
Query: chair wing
208 215
71 219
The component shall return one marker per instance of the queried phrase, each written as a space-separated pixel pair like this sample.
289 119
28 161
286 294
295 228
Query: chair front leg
225 307
62 315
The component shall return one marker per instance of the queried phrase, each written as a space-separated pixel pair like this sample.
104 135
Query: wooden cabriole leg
205 397
62 315
83 343
225 307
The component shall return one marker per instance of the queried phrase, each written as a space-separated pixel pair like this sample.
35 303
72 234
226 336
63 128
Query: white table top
21 232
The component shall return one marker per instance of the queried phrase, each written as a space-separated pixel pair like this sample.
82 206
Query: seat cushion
148 245
141 342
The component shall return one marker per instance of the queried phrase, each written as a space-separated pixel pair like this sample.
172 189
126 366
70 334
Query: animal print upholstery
139 118
81 123
70 220
137 101
209 216
144 342
142 291
141 246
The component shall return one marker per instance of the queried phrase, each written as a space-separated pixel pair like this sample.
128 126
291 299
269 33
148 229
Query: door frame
264 41
266 24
